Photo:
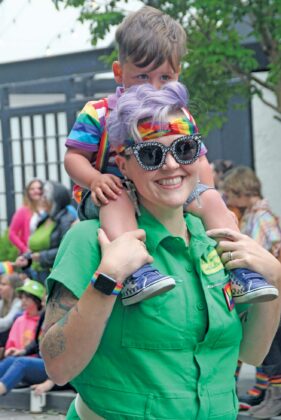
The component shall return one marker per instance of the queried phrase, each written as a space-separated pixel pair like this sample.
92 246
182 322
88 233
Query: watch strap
117 289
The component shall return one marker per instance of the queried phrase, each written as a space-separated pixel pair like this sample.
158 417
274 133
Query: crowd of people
36 229
157 285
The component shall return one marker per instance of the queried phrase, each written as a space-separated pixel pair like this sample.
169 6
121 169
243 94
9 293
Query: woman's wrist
112 271
106 284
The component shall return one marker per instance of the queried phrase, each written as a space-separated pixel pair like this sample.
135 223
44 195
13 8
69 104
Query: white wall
267 148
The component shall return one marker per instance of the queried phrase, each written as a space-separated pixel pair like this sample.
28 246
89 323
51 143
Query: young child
151 46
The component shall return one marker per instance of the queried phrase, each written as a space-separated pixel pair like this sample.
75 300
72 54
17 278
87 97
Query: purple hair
141 102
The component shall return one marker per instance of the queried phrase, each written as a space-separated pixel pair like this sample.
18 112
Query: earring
132 193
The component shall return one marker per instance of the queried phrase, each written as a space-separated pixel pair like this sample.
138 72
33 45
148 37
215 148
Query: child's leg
246 285
116 218
213 211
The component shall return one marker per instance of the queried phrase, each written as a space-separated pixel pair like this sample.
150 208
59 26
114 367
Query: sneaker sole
264 295
162 286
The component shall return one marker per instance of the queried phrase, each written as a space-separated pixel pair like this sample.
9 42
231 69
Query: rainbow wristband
6 267
117 289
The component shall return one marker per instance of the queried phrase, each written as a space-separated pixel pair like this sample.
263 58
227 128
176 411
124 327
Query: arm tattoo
61 302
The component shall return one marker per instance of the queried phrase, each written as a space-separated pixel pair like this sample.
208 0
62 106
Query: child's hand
104 188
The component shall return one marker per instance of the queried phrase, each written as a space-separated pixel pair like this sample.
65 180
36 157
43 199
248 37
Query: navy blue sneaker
145 283
248 287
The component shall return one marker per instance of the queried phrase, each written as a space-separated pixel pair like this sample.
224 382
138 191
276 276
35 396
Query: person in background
23 363
10 304
45 240
172 356
26 218
23 329
220 167
243 189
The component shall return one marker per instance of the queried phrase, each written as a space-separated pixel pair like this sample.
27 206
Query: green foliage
219 64
8 252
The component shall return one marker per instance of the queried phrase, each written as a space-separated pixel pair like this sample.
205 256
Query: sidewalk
26 415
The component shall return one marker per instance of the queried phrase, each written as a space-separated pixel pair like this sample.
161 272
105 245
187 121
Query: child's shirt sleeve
88 127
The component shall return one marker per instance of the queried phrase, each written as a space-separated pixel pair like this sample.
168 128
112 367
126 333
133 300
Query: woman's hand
240 251
124 255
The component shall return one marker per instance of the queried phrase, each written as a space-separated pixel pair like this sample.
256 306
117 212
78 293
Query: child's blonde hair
150 36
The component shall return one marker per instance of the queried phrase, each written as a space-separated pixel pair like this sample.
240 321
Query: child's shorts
87 209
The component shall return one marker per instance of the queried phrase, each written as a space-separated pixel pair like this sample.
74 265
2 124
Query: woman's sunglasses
151 155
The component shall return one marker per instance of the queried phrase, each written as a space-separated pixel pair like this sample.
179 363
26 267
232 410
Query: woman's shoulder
81 233
23 211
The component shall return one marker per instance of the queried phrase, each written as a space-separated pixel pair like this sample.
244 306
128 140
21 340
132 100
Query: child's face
28 303
129 74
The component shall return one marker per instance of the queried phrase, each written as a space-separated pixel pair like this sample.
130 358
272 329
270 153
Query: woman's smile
171 182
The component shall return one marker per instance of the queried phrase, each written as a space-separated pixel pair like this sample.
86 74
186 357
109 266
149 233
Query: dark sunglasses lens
150 155
186 149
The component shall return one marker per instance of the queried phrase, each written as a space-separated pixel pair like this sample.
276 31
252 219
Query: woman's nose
170 162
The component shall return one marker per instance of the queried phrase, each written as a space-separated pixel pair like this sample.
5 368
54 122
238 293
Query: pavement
26 415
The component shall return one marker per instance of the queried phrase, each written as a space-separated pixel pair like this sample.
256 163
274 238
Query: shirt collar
156 232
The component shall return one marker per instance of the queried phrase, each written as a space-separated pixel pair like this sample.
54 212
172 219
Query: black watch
105 284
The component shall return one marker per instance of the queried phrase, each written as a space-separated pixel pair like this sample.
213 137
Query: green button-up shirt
172 356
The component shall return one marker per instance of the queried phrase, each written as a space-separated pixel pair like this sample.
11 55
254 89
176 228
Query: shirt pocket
157 323
223 405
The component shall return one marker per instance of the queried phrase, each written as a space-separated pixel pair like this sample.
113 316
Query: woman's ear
121 162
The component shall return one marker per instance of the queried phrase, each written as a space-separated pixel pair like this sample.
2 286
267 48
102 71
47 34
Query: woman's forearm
261 320
73 328
260 324
68 345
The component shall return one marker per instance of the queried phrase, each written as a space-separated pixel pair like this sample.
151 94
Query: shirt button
200 306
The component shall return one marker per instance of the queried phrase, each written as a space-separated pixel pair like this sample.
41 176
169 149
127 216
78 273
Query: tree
219 63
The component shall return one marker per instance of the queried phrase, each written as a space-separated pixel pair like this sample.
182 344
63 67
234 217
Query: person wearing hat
23 341
18 365
23 329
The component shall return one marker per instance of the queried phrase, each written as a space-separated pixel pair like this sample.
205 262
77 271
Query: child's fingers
109 193
100 196
116 181
115 188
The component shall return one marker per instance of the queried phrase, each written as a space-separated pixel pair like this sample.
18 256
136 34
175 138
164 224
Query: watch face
105 284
